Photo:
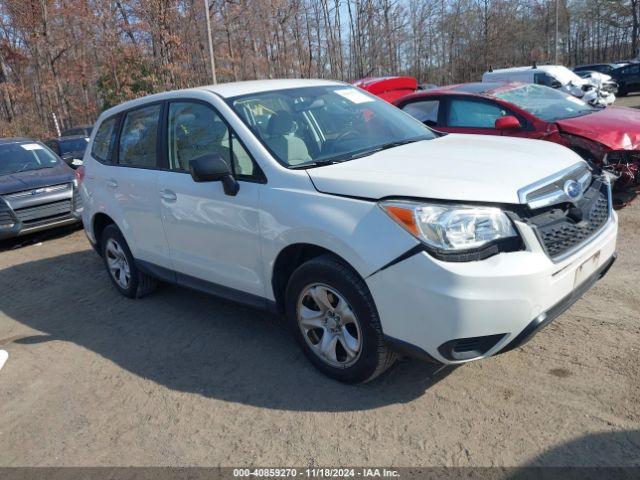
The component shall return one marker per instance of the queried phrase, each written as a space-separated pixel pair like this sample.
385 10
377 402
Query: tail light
79 175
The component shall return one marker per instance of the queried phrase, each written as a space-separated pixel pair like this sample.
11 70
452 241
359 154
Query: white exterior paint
235 240
454 167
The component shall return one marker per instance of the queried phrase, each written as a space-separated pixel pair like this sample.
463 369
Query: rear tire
121 266
341 333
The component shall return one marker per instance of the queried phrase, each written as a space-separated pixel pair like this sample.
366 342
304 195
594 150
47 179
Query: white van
554 76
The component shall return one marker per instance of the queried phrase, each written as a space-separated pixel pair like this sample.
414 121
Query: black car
84 130
597 67
37 189
70 149
628 78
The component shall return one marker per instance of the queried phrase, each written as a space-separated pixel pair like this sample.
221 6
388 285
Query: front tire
334 319
121 266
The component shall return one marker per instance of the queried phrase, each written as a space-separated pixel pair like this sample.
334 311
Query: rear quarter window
103 142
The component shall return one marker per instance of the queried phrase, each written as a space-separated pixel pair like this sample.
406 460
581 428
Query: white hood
454 167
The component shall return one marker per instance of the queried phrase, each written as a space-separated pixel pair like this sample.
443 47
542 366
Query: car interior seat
281 139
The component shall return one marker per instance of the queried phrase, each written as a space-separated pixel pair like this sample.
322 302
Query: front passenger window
195 130
474 114
138 138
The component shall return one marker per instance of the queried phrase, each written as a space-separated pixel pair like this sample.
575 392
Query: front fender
354 229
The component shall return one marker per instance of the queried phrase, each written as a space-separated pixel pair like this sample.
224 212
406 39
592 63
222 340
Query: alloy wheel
329 325
118 264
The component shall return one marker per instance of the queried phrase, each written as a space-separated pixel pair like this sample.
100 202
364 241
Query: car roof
229 90
542 68
587 65
8 141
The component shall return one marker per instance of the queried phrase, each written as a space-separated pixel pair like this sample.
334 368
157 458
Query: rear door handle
112 183
168 196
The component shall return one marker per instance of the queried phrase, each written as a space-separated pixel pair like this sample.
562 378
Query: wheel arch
288 260
99 222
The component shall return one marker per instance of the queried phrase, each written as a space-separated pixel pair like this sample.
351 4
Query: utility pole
555 61
210 41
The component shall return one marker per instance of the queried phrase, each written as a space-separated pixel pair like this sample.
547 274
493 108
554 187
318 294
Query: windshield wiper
359 154
385 146
316 163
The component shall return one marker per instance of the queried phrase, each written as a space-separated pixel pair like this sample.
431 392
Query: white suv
373 234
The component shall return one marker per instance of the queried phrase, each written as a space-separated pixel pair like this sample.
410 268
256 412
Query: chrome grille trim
29 193
573 249
550 190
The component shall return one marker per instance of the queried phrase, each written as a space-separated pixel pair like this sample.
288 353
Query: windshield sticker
31 146
353 95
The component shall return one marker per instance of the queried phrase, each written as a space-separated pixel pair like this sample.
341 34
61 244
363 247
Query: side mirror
555 84
507 123
213 168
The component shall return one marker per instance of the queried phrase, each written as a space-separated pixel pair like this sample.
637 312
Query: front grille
35 191
44 212
566 226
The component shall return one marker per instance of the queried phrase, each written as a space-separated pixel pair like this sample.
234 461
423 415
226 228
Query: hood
475 168
616 127
16 182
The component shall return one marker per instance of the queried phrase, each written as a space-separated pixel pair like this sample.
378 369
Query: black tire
375 356
140 284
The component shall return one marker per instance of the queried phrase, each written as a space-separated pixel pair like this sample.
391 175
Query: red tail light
80 175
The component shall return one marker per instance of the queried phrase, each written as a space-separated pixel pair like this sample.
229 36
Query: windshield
21 157
546 103
75 145
312 125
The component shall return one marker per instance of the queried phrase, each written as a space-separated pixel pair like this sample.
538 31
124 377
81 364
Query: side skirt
176 278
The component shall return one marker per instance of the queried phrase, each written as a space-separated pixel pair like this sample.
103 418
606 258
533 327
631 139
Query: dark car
70 149
606 68
628 78
83 130
37 189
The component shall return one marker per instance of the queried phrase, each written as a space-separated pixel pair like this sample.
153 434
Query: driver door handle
168 196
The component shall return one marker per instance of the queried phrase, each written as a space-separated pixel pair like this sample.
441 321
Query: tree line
64 61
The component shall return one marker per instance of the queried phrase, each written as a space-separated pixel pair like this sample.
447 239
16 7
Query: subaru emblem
572 189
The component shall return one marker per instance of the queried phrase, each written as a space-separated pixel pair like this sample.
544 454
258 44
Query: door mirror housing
507 123
213 168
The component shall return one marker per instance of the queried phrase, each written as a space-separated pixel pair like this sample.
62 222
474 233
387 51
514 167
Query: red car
601 136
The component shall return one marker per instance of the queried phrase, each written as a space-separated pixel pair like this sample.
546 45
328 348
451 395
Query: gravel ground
180 378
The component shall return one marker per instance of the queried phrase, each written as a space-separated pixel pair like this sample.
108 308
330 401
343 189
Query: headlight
456 229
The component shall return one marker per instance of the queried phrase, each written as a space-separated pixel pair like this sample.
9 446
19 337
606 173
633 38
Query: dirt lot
180 378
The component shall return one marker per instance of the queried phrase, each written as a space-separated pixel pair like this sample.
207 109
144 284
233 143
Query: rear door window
138 138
